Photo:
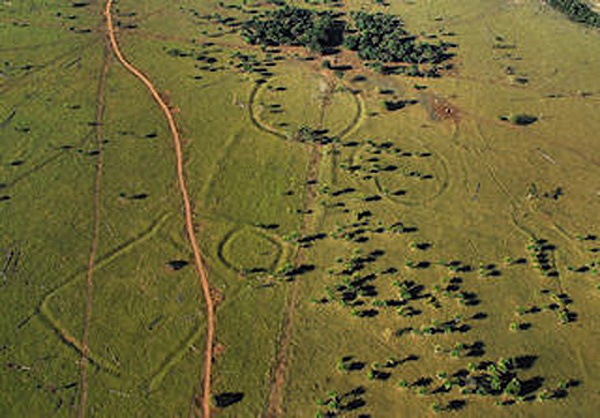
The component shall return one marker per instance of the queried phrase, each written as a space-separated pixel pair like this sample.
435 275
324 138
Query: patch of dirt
440 108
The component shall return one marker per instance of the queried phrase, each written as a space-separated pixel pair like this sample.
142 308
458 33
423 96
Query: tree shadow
367 313
392 106
225 399
177 264
531 385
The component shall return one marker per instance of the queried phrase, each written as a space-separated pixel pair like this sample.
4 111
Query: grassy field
428 256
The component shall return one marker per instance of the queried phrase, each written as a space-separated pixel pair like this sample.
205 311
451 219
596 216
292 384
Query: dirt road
187 208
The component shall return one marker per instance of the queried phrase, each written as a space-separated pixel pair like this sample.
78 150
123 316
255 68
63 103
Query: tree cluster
296 27
381 37
577 11
376 37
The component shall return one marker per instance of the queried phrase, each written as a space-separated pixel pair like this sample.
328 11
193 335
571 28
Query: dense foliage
577 11
297 27
376 37
381 37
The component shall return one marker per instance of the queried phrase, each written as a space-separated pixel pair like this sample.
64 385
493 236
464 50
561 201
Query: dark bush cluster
296 27
577 11
376 37
381 37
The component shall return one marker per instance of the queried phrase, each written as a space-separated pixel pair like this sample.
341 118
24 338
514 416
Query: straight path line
274 407
97 197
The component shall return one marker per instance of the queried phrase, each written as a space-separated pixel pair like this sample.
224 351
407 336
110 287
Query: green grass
253 206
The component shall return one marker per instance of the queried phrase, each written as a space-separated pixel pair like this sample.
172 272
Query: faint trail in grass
326 101
61 60
49 318
41 165
49 66
97 205
174 358
35 46
188 215
274 406
209 185
278 373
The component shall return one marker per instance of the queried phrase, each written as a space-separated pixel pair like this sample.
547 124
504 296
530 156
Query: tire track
187 207
274 407
85 349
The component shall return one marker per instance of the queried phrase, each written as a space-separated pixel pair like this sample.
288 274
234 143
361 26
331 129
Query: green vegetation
376 37
386 244
381 37
578 11
296 27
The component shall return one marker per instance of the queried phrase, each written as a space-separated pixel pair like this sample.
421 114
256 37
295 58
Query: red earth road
187 206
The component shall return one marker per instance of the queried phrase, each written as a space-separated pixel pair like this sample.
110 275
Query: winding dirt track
189 225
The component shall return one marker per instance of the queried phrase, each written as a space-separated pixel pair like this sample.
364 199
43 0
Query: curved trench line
70 340
445 184
443 187
255 231
263 126
255 120
532 211
54 324
354 124
110 256
273 407
527 231
532 235
237 225
187 206
171 360
445 181
545 218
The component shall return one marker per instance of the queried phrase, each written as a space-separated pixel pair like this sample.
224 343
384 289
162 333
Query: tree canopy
296 27
577 11
375 37
381 37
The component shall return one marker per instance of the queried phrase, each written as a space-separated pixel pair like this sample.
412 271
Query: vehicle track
274 407
187 206
97 197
